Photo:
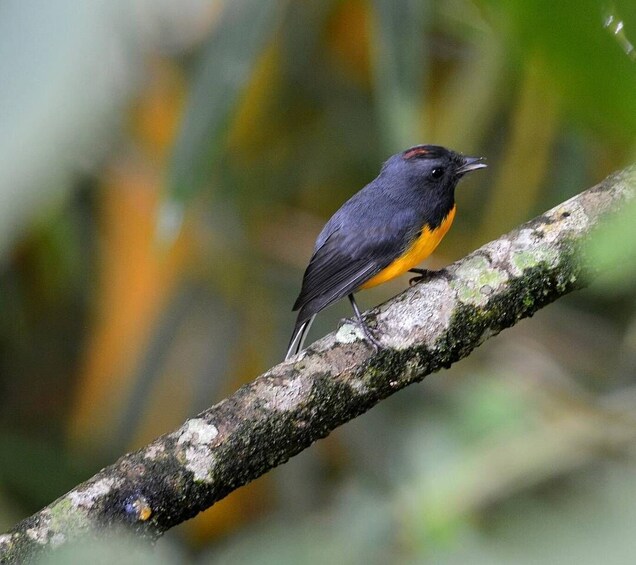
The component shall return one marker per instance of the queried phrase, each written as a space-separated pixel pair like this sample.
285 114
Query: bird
383 231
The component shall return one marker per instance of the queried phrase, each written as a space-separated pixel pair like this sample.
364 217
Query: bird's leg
422 274
365 329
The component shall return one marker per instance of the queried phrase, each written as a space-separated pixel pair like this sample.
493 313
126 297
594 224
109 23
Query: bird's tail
298 337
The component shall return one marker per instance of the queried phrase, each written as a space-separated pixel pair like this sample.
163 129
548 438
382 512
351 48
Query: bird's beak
471 164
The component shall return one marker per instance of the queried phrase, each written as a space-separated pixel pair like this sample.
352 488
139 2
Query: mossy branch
264 423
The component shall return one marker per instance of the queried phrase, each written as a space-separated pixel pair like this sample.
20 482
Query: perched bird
381 232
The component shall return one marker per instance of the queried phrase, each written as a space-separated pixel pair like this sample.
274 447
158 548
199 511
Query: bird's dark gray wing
337 268
345 261
357 243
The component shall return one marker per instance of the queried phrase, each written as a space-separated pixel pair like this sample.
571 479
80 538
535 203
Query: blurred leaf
114 547
9 513
595 78
587 522
224 70
55 122
359 530
472 97
400 61
527 155
24 461
486 408
614 24
613 250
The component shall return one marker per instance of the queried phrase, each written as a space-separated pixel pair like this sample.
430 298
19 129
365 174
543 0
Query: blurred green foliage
614 252
241 126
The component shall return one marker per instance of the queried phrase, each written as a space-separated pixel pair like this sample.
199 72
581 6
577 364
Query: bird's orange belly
419 250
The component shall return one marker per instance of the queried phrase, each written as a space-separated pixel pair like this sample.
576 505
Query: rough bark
263 424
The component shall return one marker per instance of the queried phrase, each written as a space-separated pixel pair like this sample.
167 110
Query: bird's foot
422 274
377 346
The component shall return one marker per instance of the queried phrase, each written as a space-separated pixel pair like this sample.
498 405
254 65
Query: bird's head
438 164
432 168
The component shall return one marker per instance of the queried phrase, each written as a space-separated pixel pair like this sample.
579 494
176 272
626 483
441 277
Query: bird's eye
437 173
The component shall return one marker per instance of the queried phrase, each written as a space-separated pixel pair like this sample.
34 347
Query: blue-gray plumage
411 197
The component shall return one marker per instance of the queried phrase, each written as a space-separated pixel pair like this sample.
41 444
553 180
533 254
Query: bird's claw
377 346
422 274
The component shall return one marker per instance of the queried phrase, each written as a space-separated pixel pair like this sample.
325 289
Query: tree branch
264 423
